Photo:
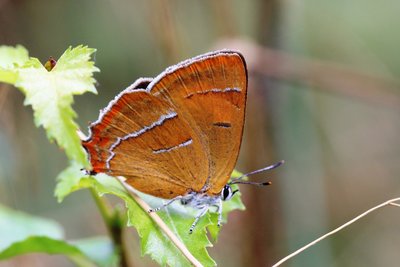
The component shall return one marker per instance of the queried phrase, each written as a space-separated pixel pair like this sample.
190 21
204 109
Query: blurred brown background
324 95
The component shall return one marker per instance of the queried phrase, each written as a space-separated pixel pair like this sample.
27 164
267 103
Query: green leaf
179 219
16 226
51 95
153 241
99 249
22 233
68 181
11 58
42 244
233 204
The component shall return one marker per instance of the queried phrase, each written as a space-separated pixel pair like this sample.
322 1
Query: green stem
114 226
104 208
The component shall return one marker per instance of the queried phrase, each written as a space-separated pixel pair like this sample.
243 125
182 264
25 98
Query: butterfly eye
227 192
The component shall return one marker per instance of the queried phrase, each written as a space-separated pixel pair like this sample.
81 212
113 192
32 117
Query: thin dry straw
389 202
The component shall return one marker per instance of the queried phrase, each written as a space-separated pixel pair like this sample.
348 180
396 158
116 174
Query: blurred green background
324 95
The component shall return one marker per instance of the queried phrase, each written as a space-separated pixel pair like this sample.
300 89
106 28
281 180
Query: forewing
210 93
146 140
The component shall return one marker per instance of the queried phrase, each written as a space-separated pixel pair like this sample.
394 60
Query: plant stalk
114 227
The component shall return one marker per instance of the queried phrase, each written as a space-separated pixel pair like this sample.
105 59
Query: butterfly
177 136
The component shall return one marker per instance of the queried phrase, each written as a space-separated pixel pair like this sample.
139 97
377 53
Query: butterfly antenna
240 179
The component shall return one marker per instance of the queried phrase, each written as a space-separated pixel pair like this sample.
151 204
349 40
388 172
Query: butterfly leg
196 220
219 210
165 204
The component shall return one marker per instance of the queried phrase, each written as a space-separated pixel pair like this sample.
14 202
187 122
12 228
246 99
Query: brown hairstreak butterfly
177 136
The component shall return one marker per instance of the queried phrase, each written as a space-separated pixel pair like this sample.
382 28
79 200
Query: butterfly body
176 136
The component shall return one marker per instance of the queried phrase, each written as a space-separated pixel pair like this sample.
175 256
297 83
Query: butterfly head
227 192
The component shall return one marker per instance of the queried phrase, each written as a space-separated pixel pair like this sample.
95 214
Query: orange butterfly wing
180 134
144 139
210 92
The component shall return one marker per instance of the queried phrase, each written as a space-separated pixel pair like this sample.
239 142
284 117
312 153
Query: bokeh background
324 95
